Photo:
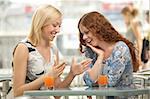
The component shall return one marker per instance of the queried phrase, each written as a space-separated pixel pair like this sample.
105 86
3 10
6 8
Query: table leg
66 97
100 97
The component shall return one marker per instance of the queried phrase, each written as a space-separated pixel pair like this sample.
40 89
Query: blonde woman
33 56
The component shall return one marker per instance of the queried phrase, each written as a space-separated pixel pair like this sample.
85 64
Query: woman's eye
86 32
54 25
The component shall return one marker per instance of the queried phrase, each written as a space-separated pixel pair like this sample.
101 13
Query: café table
86 91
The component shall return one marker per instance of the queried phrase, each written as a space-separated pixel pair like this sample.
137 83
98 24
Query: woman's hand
99 51
57 69
79 68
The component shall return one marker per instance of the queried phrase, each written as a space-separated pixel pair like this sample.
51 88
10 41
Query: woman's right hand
100 52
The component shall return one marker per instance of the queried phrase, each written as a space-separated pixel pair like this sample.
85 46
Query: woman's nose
57 29
84 37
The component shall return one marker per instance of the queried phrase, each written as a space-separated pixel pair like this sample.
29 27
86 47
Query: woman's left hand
79 68
57 68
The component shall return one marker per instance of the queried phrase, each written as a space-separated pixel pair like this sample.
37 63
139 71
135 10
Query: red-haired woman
112 54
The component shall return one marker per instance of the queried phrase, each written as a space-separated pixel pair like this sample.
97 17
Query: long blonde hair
43 14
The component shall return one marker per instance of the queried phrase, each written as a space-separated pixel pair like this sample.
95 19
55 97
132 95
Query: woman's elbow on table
18 92
87 80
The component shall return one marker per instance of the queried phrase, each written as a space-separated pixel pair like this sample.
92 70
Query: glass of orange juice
49 82
102 80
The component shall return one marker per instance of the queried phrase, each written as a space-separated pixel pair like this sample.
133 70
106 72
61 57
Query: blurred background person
133 26
145 55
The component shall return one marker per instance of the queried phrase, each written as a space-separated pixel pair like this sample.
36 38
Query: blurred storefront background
15 20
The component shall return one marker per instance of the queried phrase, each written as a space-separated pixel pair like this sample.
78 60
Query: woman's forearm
96 70
66 83
34 85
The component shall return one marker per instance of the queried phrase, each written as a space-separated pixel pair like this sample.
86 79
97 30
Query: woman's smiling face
88 36
51 29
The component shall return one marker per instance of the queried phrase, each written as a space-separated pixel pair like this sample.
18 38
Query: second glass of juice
102 80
